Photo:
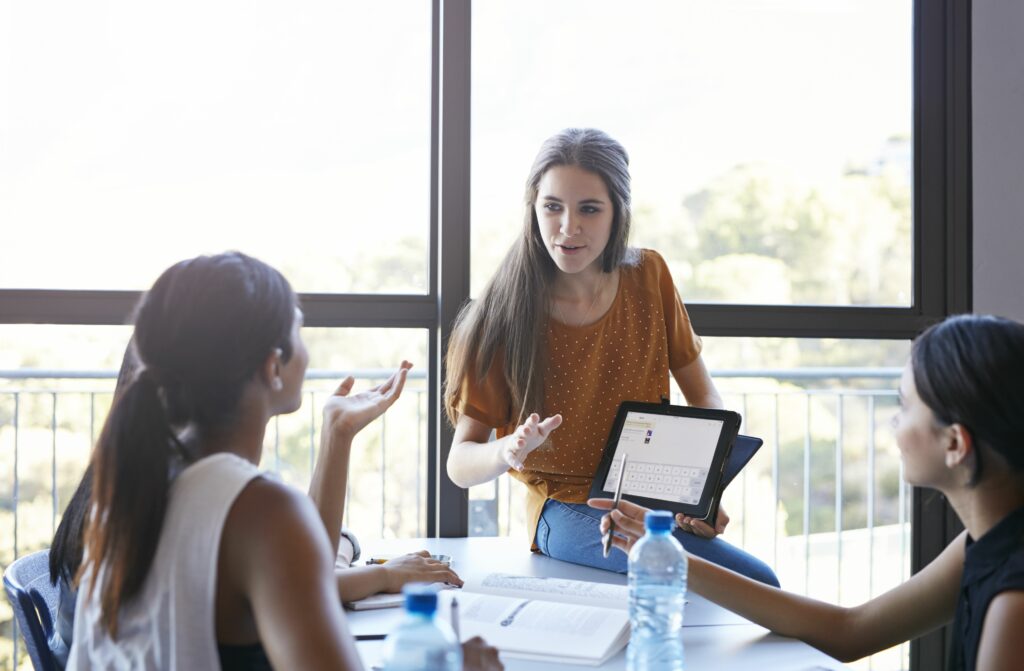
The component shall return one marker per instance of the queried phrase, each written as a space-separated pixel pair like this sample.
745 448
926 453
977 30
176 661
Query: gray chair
34 600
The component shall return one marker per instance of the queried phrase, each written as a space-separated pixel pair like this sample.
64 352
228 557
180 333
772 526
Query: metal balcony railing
823 502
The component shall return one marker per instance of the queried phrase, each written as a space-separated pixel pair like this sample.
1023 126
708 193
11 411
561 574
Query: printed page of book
552 589
541 629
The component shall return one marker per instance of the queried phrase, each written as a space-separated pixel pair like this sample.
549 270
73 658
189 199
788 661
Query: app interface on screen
669 457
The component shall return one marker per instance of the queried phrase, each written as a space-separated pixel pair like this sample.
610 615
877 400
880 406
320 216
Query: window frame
941 254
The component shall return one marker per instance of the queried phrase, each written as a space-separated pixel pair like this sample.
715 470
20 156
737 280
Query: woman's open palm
527 437
350 413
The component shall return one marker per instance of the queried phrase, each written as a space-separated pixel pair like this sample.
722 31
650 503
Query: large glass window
56 387
770 143
771 149
387 495
134 135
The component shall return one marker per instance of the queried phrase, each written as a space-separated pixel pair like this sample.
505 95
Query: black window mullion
942 202
434 377
799 321
55 306
453 290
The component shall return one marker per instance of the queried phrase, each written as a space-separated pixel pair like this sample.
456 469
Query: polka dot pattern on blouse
625 355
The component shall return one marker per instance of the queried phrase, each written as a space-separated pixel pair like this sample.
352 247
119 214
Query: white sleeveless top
170 624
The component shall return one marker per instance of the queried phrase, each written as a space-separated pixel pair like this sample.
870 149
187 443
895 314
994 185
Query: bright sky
135 134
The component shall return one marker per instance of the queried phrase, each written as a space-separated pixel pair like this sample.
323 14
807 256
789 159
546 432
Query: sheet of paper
570 632
386 600
553 589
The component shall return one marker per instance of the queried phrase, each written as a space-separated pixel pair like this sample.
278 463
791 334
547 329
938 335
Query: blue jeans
571 532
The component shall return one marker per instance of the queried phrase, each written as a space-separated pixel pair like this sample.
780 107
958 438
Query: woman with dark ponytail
960 430
193 560
353 582
67 547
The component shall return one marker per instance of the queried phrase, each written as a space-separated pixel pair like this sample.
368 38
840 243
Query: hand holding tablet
679 457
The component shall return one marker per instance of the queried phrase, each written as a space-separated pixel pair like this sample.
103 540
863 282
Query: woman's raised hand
348 414
527 437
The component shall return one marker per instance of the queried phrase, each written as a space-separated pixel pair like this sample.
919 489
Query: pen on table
371 637
455 618
618 497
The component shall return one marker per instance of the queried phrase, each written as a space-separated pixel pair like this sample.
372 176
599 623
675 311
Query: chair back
34 600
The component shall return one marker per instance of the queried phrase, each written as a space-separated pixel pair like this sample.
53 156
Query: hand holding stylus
615 504
626 517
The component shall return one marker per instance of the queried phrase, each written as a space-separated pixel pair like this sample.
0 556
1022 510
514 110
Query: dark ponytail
969 370
67 547
130 488
201 334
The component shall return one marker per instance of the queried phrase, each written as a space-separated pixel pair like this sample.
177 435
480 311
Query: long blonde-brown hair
512 312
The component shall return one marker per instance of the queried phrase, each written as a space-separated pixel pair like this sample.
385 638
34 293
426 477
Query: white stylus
618 496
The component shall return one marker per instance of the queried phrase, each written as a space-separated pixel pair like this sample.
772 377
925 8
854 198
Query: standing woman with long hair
960 430
193 559
573 322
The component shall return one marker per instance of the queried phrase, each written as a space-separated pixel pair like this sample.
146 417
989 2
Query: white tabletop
713 637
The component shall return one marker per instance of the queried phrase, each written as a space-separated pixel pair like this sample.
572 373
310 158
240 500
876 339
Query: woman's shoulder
1011 569
267 505
275 528
643 258
215 465
645 266
212 481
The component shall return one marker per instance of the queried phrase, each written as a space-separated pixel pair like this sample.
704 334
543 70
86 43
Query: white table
714 638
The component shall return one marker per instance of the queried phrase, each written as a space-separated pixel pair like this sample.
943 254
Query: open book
548 619
375 601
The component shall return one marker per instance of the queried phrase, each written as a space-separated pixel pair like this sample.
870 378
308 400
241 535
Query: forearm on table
330 481
359 582
824 626
471 463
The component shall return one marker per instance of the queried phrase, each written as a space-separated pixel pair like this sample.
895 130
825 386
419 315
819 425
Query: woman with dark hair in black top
960 430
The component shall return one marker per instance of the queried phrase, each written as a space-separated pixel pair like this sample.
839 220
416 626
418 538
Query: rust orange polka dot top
625 355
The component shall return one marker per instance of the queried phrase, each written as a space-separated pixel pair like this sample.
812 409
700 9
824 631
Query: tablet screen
669 456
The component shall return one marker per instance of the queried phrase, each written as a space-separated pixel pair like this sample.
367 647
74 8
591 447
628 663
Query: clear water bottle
421 641
657 593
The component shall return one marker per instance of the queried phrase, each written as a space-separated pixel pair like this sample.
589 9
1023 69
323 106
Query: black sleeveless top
243 657
994 563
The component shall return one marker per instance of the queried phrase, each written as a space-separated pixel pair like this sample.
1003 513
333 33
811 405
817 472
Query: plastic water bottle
657 593
422 642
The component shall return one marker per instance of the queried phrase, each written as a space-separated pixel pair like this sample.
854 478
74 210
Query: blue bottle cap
420 597
658 520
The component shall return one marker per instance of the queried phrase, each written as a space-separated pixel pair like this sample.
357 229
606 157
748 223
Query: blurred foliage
400 266
755 235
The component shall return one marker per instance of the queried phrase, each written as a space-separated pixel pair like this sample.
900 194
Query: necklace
561 315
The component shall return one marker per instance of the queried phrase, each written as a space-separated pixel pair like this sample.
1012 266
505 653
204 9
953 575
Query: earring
277 385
